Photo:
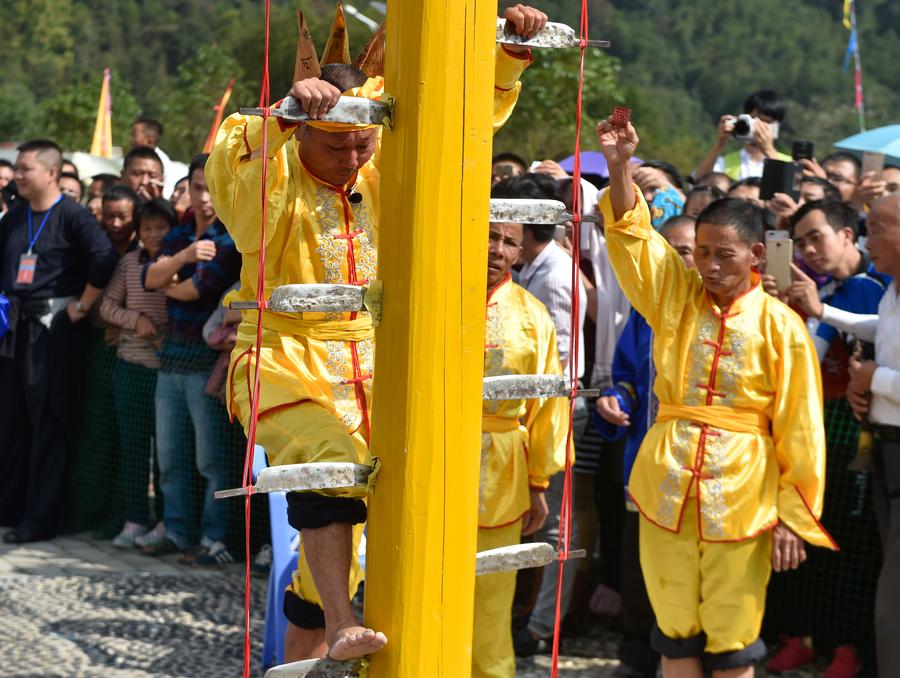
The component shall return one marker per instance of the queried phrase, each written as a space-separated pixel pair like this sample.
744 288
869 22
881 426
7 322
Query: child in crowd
141 316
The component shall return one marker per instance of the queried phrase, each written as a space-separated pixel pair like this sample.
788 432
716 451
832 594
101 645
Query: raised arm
650 272
234 168
234 174
723 134
511 60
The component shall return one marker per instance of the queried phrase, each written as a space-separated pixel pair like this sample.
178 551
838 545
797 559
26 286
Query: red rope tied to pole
264 101
565 513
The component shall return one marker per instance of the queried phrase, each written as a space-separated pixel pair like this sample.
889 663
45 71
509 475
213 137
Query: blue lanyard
33 239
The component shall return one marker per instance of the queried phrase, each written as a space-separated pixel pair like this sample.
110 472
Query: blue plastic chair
284 562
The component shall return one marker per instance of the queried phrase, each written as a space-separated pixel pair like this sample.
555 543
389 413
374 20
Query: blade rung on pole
305 477
353 110
553 36
519 557
531 211
527 386
318 668
311 298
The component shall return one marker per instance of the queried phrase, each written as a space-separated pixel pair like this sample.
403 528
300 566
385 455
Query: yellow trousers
703 587
492 647
305 433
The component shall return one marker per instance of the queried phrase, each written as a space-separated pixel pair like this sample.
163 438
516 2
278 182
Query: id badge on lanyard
28 261
27 267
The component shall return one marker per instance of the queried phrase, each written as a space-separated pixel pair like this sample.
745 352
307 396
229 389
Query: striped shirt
184 349
125 300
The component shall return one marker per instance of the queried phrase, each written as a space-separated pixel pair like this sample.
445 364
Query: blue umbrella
592 162
880 140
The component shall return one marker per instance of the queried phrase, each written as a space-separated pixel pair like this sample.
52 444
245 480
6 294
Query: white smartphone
872 162
779 257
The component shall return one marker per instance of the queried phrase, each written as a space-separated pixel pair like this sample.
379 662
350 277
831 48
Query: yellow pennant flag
848 24
102 142
220 110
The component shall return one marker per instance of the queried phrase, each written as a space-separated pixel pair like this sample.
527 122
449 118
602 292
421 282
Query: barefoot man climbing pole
322 227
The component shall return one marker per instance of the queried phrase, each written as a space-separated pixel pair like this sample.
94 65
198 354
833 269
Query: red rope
565 512
264 100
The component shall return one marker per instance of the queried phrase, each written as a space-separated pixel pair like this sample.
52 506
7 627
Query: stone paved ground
75 607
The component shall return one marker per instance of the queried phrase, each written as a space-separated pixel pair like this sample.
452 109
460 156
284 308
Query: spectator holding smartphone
824 234
874 392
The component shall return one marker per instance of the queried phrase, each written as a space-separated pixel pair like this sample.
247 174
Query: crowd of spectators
115 405
124 276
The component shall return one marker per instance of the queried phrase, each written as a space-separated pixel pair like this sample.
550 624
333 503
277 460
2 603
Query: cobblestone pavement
75 607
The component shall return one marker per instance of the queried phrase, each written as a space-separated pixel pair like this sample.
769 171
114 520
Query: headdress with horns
337 51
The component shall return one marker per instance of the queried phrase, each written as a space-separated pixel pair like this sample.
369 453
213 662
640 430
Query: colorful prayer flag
848 24
851 49
101 144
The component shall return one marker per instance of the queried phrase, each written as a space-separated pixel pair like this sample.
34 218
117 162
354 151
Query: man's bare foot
351 641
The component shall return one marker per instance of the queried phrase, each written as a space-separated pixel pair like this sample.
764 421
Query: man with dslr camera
758 128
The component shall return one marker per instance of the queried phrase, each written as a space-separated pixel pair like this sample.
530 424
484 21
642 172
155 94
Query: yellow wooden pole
429 361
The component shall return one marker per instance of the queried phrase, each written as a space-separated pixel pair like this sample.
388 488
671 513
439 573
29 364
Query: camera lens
741 128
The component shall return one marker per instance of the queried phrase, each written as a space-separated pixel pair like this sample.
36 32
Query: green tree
68 117
185 103
680 65
543 123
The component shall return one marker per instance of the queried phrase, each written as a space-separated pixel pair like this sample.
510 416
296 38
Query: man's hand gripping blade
353 110
552 36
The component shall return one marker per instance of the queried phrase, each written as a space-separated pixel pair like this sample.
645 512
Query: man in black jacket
55 260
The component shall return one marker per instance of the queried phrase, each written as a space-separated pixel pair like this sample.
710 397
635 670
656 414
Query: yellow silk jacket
314 234
740 424
523 441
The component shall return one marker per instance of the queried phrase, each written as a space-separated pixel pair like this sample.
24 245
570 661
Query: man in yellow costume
730 478
321 227
523 444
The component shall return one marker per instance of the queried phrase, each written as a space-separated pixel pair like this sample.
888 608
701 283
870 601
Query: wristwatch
80 307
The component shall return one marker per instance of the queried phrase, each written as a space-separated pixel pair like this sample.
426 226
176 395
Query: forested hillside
679 65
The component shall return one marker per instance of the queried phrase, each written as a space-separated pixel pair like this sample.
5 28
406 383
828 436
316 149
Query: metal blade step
519 557
311 298
552 36
304 477
319 668
532 211
353 110
527 386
